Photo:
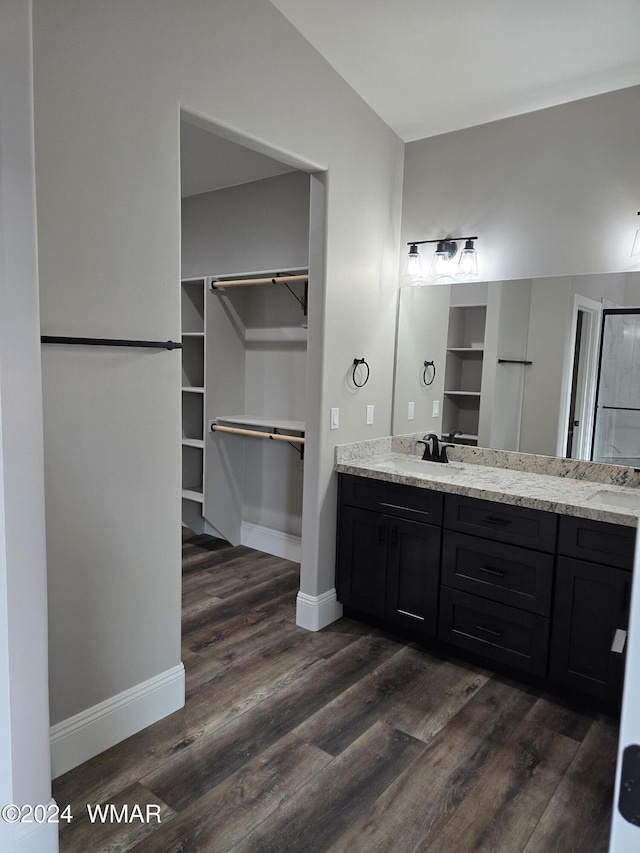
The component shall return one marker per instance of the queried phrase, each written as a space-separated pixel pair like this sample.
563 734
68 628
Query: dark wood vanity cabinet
497 575
540 593
591 606
389 564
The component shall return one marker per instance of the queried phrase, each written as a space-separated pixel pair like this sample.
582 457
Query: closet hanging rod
109 342
270 279
276 436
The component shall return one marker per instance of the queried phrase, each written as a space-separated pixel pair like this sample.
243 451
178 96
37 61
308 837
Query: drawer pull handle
489 631
413 615
405 508
489 571
494 519
619 640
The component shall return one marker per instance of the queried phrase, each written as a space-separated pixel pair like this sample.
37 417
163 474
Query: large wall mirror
548 366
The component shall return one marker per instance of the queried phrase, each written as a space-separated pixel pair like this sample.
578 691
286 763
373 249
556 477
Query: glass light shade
441 263
413 268
468 263
635 249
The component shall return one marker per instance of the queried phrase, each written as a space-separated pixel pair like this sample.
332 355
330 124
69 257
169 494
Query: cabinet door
591 603
361 565
413 575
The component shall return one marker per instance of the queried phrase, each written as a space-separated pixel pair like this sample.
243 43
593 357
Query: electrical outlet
335 418
411 411
369 414
436 408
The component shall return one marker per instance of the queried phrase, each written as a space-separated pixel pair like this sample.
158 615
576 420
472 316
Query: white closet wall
261 225
255 347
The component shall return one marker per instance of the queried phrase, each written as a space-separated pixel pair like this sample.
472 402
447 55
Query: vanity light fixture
441 264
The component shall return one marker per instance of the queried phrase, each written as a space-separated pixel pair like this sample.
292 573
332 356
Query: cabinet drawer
498 571
516 525
391 498
496 631
597 541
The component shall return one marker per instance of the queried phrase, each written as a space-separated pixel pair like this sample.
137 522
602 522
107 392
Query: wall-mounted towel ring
427 365
356 363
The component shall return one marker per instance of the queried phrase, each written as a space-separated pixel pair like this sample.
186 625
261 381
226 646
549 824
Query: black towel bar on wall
109 342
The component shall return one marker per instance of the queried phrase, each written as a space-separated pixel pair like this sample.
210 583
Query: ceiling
209 162
433 66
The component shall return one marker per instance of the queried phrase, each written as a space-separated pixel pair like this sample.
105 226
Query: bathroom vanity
512 568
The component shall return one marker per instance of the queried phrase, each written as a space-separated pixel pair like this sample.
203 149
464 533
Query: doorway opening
247 220
585 337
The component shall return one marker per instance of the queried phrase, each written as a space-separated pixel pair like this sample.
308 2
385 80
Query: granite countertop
595 499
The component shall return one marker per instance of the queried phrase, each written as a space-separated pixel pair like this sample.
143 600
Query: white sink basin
418 467
624 499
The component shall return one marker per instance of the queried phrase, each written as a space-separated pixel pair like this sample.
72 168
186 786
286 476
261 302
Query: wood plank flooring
347 739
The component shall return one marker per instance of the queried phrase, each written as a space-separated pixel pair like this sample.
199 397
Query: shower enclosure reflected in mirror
617 417
516 365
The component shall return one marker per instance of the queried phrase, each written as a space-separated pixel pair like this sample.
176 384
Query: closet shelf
466 349
193 495
467 436
193 334
462 393
194 389
468 305
193 442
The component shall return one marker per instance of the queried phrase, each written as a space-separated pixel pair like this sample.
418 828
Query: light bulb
414 263
468 263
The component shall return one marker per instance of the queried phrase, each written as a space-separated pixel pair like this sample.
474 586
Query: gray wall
24 724
553 192
110 79
259 225
256 226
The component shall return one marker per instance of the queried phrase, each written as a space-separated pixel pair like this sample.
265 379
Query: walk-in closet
244 300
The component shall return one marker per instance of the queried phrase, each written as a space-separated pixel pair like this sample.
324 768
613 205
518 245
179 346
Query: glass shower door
617 420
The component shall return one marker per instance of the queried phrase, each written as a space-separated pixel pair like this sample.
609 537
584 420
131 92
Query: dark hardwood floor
347 739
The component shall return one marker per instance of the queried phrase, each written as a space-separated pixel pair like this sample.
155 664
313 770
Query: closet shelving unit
192 297
258 426
463 371
255 389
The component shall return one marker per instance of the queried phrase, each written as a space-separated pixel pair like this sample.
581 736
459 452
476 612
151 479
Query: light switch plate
335 418
411 411
369 414
436 408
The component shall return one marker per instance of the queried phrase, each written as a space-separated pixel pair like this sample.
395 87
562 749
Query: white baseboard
37 837
271 541
314 612
79 738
